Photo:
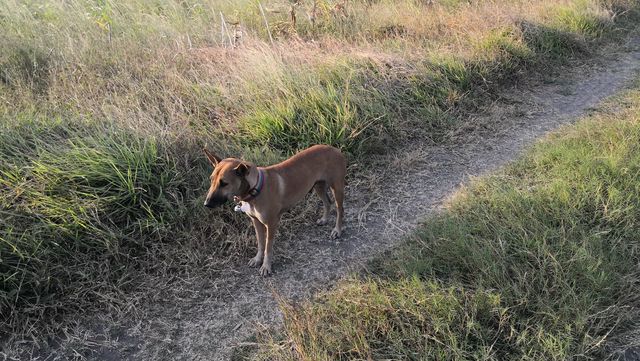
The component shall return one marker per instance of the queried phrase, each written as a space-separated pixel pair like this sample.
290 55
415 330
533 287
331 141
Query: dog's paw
336 233
265 270
321 221
255 261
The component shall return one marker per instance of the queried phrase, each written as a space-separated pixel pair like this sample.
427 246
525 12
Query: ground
209 317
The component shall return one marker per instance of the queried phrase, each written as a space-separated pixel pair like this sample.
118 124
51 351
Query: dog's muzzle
213 202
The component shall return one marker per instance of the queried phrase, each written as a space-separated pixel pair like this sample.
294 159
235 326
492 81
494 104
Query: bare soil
209 316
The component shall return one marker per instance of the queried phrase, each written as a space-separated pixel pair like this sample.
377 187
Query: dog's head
228 179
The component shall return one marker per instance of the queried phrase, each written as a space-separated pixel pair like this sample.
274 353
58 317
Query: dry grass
104 107
163 70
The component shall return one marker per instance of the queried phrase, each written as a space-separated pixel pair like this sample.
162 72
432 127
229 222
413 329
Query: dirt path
380 209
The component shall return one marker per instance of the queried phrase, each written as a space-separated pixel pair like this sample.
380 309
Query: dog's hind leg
321 190
338 194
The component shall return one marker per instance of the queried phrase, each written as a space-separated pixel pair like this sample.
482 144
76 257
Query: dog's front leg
261 232
272 228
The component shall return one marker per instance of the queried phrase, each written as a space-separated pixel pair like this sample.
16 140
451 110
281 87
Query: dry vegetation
104 107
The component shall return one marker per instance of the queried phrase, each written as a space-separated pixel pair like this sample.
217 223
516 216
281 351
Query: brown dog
266 192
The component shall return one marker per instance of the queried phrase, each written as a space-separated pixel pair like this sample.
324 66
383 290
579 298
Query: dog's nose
214 201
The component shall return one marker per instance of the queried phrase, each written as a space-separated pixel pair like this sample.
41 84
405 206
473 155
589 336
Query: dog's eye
223 183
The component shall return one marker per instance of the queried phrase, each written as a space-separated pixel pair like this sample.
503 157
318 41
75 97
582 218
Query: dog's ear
213 159
242 170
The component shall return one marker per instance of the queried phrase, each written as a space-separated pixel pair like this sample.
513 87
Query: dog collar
255 191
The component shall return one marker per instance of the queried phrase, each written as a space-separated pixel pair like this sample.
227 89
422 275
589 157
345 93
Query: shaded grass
536 262
63 192
104 107
84 205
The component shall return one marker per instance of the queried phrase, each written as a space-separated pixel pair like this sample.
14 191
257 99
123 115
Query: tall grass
104 106
163 67
538 262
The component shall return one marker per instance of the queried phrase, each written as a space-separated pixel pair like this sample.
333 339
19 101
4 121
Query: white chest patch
243 207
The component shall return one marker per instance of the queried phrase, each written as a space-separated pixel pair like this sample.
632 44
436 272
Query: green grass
536 262
104 107
70 194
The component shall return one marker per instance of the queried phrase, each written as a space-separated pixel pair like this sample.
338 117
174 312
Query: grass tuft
408 319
